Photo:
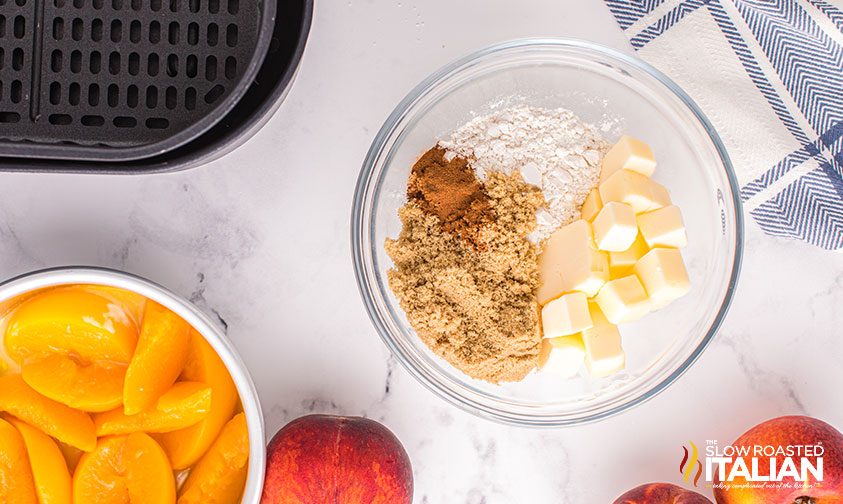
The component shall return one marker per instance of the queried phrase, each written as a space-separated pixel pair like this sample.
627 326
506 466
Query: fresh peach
322 458
185 404
186 446
220 475
789 431
661 493
158 359
66 424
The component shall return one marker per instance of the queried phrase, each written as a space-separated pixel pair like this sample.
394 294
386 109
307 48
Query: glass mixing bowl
606 88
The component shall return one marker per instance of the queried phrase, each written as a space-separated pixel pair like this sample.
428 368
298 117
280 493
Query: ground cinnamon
450 190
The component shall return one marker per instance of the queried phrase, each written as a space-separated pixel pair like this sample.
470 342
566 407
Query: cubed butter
591 206
621 262
571 262
663 274
604 354
628 154
615 227
565 315
623 299
663 227
634 189
562 356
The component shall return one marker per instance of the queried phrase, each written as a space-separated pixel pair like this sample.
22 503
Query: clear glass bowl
604 87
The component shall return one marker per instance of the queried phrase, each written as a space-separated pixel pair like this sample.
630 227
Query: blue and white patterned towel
769 75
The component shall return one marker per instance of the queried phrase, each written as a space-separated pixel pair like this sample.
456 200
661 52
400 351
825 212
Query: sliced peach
55 419
186 446
148 470
71 321
49 469
220 475
158 360
132 302
129 469
100 475
185 404
95 386
16 483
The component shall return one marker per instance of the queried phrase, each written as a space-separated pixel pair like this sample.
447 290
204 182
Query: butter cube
663 227
634 189
604 354
570 262
591 206
663 274
565 315
623 300
628 154
562 356
621 262
615 227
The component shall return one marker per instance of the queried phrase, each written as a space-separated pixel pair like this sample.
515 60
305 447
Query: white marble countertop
260 238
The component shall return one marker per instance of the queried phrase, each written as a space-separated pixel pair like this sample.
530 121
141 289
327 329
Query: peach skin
323 458
790 431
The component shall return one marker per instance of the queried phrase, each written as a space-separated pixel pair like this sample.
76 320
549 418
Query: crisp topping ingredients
553 149
614 227
449 190
663 274
562 356
604 354
468 288
628 154
623 255
663 227
570 262
634 189
565 315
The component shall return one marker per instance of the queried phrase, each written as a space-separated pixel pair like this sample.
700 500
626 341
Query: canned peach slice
186 446
158 359
185 404
71 321
220 475
94 386
132 302
18 486
55 419
129 469
49 469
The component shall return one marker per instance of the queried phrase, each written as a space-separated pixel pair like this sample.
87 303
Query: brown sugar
472 301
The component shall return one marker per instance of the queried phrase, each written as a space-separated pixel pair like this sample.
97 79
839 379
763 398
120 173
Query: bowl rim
359 227
213 334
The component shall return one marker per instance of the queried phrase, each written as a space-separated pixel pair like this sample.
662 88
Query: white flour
553 149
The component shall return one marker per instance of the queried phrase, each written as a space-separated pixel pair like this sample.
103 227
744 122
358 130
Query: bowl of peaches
113 389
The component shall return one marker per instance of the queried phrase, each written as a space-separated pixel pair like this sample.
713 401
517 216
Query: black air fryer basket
134 86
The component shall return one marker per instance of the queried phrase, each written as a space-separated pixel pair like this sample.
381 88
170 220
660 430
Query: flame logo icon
690 460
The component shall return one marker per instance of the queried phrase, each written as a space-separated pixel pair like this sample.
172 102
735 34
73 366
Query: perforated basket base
122 79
